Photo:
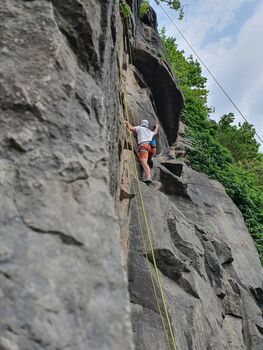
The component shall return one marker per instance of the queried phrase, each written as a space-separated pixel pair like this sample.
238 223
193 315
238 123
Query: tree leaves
226 152
175 5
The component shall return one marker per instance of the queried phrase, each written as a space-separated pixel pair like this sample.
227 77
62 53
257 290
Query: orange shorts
146 151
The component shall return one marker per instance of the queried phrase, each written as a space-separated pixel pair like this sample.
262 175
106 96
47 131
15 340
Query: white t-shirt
143 134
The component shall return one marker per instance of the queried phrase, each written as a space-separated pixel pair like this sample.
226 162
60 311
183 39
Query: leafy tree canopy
226 152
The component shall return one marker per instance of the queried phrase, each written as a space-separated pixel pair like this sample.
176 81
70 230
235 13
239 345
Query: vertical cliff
62 281
209 268
73 271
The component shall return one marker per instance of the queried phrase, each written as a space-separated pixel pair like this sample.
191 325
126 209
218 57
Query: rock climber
144 139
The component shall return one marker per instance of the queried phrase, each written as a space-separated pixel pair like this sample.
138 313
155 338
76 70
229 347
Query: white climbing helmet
145 123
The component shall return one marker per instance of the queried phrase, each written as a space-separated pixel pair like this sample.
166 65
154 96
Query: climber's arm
129 126
155 131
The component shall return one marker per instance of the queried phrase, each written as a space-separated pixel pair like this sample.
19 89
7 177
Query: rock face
69 196
62 281
208 265
207 262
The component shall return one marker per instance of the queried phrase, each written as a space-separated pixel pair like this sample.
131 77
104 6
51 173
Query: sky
227 35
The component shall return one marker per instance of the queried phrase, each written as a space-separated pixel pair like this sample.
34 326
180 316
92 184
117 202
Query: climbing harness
146 150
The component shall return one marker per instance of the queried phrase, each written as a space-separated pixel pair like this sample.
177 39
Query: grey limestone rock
207 262
62 282
71 218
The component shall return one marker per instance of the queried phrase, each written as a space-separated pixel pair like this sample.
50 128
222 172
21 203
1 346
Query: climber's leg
151 154
146 168
143 157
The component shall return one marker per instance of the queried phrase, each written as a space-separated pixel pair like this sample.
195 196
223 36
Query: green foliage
125 10
143 8
173 4
238 139
226 152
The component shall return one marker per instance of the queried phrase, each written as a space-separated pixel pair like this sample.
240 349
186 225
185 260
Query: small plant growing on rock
143 8
125 10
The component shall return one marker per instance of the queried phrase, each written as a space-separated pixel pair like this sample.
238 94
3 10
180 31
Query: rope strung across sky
209 71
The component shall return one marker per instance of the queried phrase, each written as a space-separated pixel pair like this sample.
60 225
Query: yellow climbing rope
126 115
149 264
151 246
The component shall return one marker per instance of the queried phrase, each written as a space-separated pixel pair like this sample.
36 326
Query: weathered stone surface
62 280
207 262
167 97
148 56
141 105
200 242
63 174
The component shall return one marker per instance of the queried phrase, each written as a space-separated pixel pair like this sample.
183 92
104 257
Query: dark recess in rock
170 265
150 18
73 22
175 168
171 184
258 295
168 99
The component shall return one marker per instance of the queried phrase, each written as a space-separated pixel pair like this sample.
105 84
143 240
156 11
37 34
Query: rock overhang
168 98
148 56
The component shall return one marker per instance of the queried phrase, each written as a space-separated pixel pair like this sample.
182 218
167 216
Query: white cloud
202 17
240 69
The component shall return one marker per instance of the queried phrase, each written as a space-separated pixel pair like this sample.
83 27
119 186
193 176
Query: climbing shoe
147 181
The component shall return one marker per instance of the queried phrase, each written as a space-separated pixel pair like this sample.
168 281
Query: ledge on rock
174 167
172 184
170 265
